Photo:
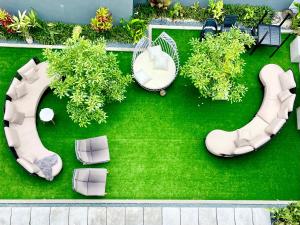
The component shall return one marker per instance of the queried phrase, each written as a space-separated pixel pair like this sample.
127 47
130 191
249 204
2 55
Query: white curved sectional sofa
21 104
277 103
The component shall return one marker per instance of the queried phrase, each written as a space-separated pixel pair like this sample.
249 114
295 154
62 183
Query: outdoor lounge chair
92 150
210 27
229 22
269 35
90 182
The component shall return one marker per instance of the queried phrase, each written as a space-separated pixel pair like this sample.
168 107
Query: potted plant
22 24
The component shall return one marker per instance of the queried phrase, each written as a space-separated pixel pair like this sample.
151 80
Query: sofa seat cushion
287 80
243 150
11 114
96 189
31 75
142 77
30 167
12 89
12 137
259 140
269 109
275 126
255 127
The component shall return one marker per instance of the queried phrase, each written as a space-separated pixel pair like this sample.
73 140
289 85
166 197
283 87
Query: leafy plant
161 4
136 28
215 7
216 67
296 19
177 11
88 76
6 20
103 20
249 14
289 215
22 23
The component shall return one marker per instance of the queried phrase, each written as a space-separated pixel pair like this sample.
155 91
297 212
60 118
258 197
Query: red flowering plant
6 20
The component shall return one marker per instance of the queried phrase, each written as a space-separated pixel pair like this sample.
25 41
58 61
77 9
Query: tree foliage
88 76
215 66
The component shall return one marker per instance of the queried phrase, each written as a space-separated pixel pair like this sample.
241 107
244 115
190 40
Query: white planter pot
29 39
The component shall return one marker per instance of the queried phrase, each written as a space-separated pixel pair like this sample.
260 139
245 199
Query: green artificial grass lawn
157 143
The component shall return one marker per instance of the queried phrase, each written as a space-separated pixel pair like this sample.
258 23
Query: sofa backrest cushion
31 168
29 65
12 115
12 89
21 90
287 80
289 103
12 137
30 75
284 95
275 126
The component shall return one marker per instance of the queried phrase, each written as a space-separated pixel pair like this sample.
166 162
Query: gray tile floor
133 216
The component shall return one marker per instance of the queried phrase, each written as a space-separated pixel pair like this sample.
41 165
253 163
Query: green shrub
215 8
103 20
177 11
88 76
136 28
249 15
289 215
216 67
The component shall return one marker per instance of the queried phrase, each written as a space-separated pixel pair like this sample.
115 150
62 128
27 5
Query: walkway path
133 216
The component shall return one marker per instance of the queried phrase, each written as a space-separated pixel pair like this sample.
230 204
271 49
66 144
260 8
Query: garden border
120 46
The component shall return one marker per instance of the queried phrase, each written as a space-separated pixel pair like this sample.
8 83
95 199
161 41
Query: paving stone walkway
133 216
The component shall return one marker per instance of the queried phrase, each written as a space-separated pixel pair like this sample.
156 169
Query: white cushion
30 75
29 65
284 95
243 150
31 168
21 90
244 134
161 63
287 80
12 89
259 140
289 103
283 113
142 77
12 137
241 143
275 126
11 114
154 52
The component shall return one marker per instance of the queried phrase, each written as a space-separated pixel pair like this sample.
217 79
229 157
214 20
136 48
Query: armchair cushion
161 63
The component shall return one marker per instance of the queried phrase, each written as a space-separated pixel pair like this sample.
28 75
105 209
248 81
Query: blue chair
210 27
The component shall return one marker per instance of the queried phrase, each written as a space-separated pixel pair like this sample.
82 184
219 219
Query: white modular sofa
22 99
278 101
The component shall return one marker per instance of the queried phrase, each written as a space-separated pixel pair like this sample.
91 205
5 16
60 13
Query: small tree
215 66
88 76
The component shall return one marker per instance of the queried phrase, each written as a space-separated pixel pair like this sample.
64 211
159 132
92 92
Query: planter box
295 50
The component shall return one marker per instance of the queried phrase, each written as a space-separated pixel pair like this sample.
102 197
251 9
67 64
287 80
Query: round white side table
47 115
